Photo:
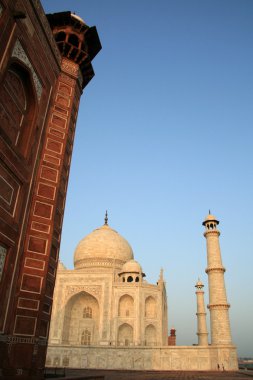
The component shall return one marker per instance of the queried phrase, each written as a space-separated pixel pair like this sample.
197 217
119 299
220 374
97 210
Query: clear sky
164 134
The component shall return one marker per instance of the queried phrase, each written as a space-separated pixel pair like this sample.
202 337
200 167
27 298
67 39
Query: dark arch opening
61 36
73 40
18 119
130 279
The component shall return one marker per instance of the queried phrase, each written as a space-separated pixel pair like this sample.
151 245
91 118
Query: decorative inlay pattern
43 210
9 190
58 120
49 174
46 214
34 263
145 358
219 306
62 100
220 269
19 53
57 133
28 304
10 339
54 146
3 252
68 80
46 191
46 27
25 325
6 191
41 227
211 232
94 290
31 283
53 160
37 245
70 67
100 262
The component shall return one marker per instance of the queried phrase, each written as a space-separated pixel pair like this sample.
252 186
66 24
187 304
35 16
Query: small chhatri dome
199 284
78 18
210 218
131 266
104 247
61 266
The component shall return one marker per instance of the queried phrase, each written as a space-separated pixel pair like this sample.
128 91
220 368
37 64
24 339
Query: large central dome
104 247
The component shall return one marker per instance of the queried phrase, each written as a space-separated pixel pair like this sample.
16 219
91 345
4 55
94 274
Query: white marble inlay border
3 252
19 53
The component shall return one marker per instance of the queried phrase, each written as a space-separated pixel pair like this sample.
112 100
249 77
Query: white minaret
218 305
201 315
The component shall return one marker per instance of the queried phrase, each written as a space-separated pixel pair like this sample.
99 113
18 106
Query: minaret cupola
76 41
210 222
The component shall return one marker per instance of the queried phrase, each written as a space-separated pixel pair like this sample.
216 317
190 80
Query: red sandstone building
45 62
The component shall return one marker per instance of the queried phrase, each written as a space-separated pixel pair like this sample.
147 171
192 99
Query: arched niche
81 320
150 335
86 337
150 307
125 335
18 106
126 306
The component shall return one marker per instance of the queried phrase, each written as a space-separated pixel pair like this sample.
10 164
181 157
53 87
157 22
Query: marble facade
105 315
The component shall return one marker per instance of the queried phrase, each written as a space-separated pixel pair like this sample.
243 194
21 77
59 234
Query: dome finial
209 212
106 218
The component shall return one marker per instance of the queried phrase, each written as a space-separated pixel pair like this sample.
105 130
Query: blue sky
164 134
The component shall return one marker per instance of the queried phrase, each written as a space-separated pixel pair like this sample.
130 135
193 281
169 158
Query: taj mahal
106 315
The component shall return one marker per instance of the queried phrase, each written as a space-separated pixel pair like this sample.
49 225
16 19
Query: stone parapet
144 358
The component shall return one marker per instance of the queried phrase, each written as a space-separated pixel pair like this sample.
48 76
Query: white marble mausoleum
106 315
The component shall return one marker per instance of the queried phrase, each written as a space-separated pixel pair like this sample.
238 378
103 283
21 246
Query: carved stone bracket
10 339
217 269
219 306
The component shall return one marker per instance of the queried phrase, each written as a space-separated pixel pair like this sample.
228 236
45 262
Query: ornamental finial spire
106 218
161 276
209 212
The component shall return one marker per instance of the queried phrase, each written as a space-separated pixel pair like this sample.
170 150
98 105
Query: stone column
218 305
201 315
